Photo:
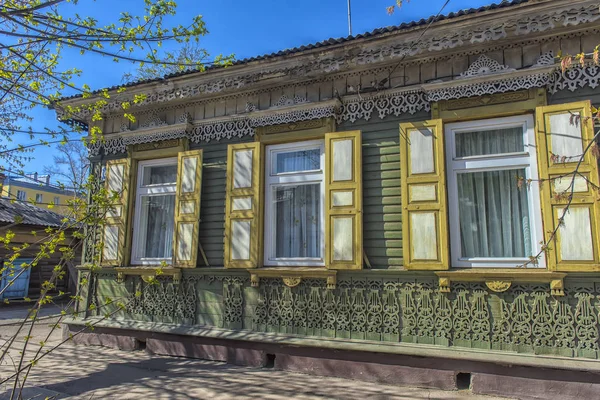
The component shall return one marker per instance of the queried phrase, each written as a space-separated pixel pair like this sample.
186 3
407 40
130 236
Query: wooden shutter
187 214
242 207
424 209
115 227
343 200
564 132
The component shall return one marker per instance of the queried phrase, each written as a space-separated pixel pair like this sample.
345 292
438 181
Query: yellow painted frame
164 149
121 221
438 206
355 186
548 170
253 215
195 198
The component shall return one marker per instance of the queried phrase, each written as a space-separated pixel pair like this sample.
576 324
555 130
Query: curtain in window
497 141
158 213
298 230
303 160
159 217
160 174
494 214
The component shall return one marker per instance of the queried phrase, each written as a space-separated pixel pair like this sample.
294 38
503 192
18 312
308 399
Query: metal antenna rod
349 19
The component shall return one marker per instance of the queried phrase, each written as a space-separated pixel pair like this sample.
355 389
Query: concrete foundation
428 372
231 355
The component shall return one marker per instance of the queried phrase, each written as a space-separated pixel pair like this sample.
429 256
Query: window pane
159 174
156 226
297 221
296 161
493 214
496 141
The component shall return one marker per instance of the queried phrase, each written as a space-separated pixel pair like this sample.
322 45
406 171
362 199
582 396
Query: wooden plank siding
382 202
212 208
403 75
45 267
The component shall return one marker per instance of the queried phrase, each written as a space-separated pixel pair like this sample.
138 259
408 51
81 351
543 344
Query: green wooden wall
381 192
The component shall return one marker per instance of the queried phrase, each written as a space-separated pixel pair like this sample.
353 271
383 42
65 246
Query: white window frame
21 197
39 197
56 200
292 178
160 189
526 159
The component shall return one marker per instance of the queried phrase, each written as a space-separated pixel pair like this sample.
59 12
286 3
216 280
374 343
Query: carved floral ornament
492 79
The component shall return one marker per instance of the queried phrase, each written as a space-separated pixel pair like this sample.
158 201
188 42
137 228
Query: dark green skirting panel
389 306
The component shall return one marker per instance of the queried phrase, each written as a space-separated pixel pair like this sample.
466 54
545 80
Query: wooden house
368 206
21 224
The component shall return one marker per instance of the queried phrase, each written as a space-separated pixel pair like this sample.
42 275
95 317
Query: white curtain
158 213
497 141
303 160
298 231
493 211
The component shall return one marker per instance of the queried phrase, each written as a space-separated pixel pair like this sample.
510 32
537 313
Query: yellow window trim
586 199
353 210
489 106
253 215
183 218
437 206
295 132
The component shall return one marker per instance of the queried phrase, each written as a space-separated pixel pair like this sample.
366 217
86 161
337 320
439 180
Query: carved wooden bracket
292 277
147 274
500 280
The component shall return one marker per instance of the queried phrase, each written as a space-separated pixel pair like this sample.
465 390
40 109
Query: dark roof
328 42
31 214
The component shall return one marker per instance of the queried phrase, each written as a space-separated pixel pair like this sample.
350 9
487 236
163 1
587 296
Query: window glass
56 200
294 227
494 214
154 218
297 221
487 142
157 219
494 220
38 197
297 161
21 195
159 175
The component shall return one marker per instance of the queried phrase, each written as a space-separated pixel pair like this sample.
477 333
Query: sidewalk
17 311
83 373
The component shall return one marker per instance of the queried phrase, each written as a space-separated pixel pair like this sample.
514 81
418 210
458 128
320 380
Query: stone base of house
491 378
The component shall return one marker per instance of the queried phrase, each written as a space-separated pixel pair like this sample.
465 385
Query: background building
38 190
30 229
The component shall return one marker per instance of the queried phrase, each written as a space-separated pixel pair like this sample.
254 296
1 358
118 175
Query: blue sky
244 28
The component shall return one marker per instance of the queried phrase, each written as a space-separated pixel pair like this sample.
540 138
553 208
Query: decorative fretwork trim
516 26
485 66
490 87
575 78
398 103
208 131
353 108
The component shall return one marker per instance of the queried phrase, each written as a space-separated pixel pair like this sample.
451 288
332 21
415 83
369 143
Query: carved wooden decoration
498 286
292 281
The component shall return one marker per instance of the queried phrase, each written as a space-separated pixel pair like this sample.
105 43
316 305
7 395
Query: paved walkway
79 373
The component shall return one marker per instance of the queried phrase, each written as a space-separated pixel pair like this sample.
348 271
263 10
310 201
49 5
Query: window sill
292 276
147 273
500 280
